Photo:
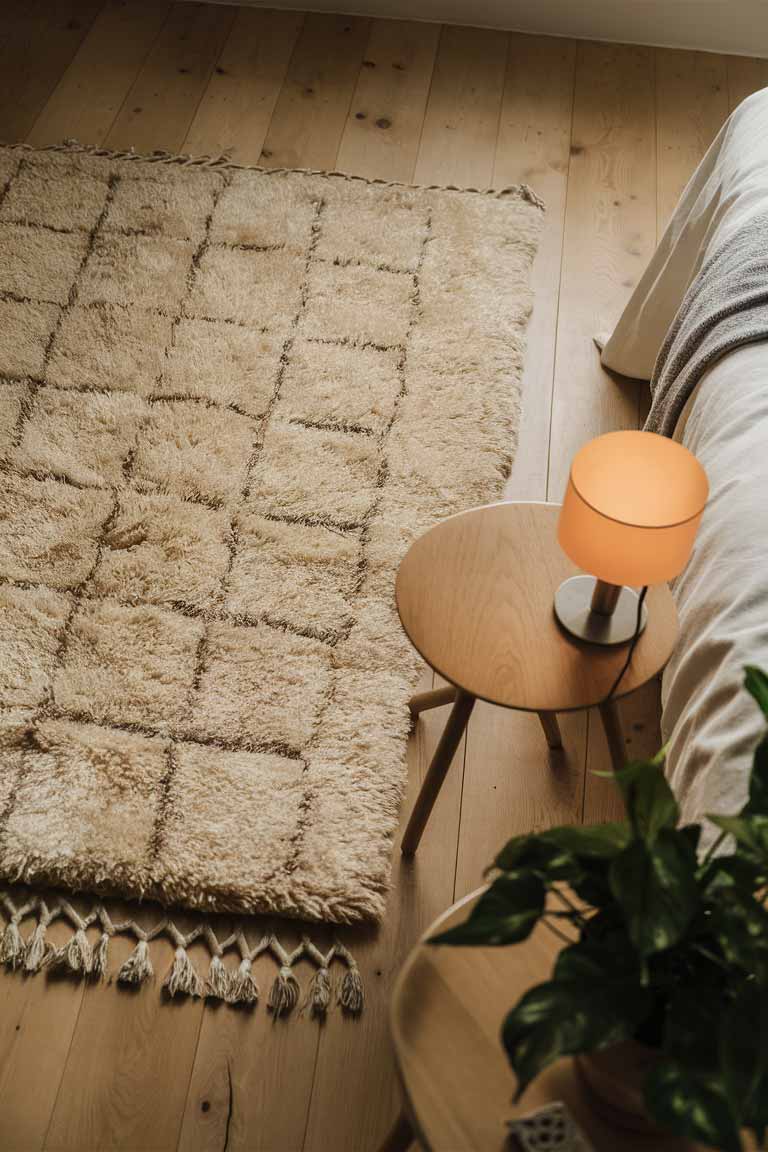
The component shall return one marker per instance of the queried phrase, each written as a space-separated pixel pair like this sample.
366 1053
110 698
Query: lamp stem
605 598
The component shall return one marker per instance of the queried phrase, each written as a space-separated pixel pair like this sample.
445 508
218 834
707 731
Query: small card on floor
549 1129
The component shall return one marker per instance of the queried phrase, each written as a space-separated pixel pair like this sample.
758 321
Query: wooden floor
607 135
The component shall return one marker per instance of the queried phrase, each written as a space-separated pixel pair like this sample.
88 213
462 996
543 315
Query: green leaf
758 782
745 1056
599 958
539 854
692 1105
756 683
558 851
728 872
739 923
750 833
656 888
562 1017
505 914
591 841
648 798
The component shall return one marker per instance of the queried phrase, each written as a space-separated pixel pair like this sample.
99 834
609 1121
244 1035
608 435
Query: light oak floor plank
458 143
383 129
691 105
746 74
163 99
252 1076
514 784
311 111
40 38
235 111
127 1074
610 234
533 147
37 1023
94 86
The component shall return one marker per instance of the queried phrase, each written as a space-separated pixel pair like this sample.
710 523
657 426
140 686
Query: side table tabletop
475 596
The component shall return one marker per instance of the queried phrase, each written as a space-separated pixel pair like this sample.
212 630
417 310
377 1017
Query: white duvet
710 723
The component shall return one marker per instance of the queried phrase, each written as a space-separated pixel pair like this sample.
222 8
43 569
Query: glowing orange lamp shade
630 515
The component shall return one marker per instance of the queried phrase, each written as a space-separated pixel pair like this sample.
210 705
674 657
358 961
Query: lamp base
573 609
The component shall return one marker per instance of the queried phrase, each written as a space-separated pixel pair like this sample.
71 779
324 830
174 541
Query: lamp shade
632 508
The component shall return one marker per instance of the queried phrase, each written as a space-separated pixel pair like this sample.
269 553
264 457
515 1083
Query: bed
711 725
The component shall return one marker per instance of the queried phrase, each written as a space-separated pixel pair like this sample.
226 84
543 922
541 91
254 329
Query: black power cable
632 646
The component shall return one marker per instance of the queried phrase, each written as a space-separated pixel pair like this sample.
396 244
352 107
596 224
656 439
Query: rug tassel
351 994
320 992
100 956
243 988
284 993
12 947
183 978
218 984
138 966
37 951
76 956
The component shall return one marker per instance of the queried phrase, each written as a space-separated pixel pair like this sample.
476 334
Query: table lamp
630 515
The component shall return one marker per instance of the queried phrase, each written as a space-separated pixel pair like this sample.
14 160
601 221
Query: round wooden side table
445 1019
475 596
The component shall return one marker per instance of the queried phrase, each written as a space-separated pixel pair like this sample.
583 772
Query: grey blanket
725 306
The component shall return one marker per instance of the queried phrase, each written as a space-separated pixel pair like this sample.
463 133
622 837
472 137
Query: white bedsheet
709 721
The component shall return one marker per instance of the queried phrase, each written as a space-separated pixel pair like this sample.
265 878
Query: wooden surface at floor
607 135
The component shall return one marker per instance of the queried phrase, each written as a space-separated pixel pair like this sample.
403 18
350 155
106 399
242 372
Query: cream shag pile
229 401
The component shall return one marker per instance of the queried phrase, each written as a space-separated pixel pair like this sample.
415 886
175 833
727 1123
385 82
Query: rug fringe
82 959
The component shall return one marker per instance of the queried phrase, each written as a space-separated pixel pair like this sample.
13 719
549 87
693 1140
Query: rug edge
222 161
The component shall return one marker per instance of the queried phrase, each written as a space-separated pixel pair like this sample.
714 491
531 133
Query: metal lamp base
573 609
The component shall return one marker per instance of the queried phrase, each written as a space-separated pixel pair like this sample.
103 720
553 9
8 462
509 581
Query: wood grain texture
294 1085
383 129
458 142
39 39
37 1021
610 234
235 111
311 111
166 92
746 74
533 147
94 86
514 784
454 1000
129 1063
475 597
692 103
252 1076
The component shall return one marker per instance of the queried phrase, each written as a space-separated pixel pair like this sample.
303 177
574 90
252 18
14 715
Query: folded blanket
725 306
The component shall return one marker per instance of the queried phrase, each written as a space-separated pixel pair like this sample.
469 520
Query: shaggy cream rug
230 399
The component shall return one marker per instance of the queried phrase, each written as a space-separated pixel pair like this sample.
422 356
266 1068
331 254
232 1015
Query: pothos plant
662 945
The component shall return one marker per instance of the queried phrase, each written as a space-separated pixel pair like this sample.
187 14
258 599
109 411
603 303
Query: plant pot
614 1079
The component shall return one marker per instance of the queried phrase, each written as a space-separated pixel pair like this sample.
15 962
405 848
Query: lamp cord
632 646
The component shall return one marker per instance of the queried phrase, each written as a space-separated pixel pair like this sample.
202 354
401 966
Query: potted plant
663 974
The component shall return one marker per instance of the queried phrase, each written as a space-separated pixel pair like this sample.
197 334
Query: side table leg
423 701
614 733
441 762
551 729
